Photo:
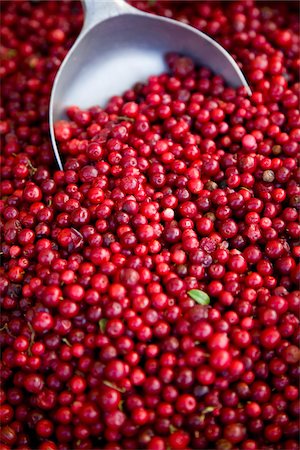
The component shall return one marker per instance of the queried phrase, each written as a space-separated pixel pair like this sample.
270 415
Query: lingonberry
180 184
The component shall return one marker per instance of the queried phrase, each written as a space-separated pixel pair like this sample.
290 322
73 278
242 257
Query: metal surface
119 46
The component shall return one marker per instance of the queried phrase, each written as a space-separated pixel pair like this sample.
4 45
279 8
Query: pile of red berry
150 291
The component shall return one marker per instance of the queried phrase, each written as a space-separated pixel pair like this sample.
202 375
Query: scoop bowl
120 45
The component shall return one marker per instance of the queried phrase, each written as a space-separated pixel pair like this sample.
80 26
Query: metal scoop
120 45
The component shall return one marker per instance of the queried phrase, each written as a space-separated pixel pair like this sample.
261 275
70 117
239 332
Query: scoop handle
96 11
